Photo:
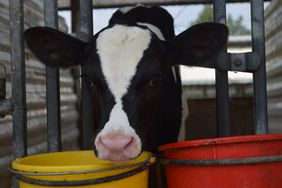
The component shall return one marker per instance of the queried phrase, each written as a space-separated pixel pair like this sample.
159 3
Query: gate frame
16 106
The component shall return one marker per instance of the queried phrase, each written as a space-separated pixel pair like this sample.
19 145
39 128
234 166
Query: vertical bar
86 20
52 85
2 82
18 78
222 94
86 26
76 71
18 81
259 76
75 16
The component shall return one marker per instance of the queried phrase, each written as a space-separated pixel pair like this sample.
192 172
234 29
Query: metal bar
245 62
259 76
18 78
2 82
76 71
75 16
52 85
222 94
86 26
86 20
16 17
65 4
222 162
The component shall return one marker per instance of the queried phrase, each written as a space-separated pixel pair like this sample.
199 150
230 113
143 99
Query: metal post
75 16
259 76
52 85
222 94
18 81
18 78
86 26
2 82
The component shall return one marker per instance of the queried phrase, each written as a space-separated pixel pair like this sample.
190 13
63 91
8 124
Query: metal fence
249 62
253 62
35 83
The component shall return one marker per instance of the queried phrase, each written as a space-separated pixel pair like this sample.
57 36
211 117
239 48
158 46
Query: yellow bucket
81 169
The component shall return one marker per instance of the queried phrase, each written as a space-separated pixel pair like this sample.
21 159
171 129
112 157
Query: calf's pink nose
116 143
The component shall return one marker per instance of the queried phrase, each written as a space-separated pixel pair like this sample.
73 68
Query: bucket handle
214 162
83 182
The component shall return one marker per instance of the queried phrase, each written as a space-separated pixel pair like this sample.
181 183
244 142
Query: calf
131 70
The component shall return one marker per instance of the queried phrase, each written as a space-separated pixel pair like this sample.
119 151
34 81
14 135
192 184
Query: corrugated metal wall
35 87
273 25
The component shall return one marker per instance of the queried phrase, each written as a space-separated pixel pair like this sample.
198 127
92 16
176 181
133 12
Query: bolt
238 62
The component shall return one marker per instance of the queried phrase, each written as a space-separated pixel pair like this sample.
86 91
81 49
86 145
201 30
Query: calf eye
90 83
155 82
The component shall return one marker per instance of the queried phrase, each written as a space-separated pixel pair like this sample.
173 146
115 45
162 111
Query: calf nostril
116 143
130 142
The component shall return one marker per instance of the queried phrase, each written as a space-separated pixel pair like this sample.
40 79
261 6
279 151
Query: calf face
128 71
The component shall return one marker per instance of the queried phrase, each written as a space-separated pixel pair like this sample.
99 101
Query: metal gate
253 62
35 83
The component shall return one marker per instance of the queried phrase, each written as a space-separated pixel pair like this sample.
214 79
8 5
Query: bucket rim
17 168
220 141
222 162
67 183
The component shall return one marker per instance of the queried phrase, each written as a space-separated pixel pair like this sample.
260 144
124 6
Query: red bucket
231 162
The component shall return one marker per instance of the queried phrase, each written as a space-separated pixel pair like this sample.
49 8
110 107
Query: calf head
128 70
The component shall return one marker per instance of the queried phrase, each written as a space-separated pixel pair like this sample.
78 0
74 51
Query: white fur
174 73
125 10
118 123
120 49
154 29
185 113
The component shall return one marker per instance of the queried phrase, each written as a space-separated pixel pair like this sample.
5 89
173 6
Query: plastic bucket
231 162
82 169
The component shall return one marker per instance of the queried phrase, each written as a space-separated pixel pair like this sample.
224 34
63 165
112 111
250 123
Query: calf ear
198 45
55 48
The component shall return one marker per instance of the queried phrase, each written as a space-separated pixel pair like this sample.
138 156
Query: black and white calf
130 68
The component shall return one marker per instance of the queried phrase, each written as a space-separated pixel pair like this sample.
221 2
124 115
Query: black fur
156 16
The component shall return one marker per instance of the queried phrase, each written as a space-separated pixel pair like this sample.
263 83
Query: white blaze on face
120 49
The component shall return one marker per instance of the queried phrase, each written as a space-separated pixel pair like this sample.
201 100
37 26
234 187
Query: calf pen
253 62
